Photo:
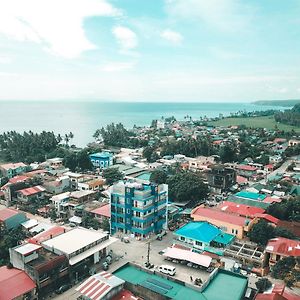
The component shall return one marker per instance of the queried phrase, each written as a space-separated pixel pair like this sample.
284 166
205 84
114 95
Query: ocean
83 118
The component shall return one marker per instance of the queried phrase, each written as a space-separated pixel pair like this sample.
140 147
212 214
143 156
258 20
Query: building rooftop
158 284
226 286
250 195
240 209
13 166
102 211
79 194
74 240
99 285
31 191
14 283
215 214
283 246
7 213
47 234
249 202
199 231
27 248
101 155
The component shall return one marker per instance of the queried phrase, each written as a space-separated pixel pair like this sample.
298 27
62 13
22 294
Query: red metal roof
14 283
267 217
102 211
240 209
271 200
215 214
18 178
278 293
98 286
246 168
7 213
283 246
125 295
46 235
241 179
32 190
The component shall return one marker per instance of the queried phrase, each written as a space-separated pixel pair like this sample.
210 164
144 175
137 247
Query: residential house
102 213
200 162
11 218
203 236
90 184
278 292
246 170
57 186
75 178
16 284
101 160
229 223
44 267
294 142
14 184
30 194
13 169
240 209
138 208
280 247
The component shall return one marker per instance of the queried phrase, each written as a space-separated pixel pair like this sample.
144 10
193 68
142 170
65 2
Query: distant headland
287 102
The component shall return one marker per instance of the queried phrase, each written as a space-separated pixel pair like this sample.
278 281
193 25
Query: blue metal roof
199 231
101 155
250 195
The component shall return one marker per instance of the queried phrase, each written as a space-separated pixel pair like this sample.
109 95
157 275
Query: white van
166 269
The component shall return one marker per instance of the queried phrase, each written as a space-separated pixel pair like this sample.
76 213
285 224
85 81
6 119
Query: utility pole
148 254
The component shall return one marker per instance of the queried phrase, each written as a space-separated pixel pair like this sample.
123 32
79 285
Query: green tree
105 225
112 175
187 187
263 284
228 153
150 154
90 222
53 214
261 232
9 239
158 176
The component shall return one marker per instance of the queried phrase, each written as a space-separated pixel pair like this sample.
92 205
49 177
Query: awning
75 259
199 259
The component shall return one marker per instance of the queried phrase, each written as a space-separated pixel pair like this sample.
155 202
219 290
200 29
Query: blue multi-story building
139 209
101 160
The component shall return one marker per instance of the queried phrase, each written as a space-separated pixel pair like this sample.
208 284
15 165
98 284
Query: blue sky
150 50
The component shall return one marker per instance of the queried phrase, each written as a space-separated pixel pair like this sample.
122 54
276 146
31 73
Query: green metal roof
248 202
224 238
139 277
250 195
226 286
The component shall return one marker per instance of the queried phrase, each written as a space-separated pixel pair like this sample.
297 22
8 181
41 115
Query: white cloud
224 15
56 24
118 66
125 37
4 59
172 36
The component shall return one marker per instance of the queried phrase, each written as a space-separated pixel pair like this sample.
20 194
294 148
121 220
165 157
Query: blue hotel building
138 208
101 160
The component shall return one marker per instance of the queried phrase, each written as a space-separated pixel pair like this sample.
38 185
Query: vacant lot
255 122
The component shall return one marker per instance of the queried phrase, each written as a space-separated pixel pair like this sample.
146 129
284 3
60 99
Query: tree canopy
187 187
262 232
286 210
112 175
27 147
158 176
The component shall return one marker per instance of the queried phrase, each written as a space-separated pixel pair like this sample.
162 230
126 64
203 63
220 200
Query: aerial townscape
179 209
149 149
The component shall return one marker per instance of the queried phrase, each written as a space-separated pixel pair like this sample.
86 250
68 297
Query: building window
198 243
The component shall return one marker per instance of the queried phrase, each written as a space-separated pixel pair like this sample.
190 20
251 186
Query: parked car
62 288
166 269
